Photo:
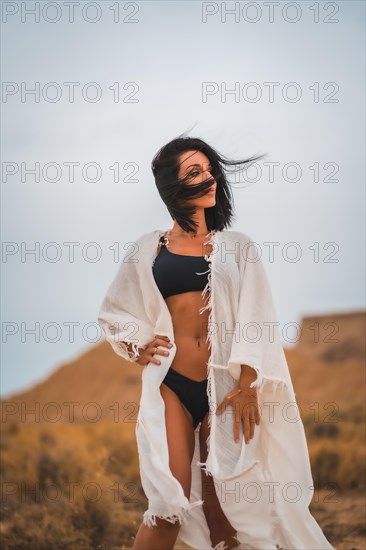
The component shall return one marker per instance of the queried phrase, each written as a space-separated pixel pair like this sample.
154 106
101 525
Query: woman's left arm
247 376
244 401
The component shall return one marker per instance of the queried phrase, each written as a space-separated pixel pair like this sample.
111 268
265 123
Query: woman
184 387
192 183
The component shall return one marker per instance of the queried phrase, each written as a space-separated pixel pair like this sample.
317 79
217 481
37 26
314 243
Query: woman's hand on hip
152 348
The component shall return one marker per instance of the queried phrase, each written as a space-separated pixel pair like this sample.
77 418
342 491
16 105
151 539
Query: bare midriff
190 327
190 332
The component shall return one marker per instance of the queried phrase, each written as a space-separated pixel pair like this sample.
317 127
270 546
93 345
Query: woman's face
196 166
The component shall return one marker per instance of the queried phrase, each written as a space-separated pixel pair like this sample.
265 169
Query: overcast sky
287 82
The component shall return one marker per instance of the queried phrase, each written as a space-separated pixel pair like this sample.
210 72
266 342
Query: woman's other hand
244 401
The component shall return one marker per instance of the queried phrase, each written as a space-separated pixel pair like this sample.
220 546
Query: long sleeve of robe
264 487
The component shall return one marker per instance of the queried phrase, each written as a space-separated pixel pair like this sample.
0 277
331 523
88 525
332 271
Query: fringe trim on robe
264 487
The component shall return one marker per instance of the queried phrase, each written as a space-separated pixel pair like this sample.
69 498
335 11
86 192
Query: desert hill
331 368
94 449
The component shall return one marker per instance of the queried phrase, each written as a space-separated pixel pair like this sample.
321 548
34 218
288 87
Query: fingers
163 341
257 416
248 429
227 401
237 427
249 424
153 349
162 337
246 413
220 409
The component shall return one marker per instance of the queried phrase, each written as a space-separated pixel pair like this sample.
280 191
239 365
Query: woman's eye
193 174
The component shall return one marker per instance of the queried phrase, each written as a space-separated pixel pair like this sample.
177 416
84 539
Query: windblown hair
175 192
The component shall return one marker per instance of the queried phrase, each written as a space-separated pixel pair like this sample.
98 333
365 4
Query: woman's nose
207 174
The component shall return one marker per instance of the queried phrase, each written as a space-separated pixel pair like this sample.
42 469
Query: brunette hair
175 192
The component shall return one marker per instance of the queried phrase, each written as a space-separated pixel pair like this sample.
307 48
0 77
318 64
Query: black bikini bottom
192 393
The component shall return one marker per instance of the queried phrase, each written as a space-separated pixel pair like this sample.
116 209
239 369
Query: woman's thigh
180 437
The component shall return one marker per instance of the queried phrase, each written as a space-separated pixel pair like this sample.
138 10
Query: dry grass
69 486
40 463
336 451
77 484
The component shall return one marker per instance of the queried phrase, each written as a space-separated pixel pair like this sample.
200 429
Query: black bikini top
178 273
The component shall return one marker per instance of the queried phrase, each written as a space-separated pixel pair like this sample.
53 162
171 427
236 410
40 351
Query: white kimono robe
264 487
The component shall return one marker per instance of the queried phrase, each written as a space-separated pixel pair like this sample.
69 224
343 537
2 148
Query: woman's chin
207 203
